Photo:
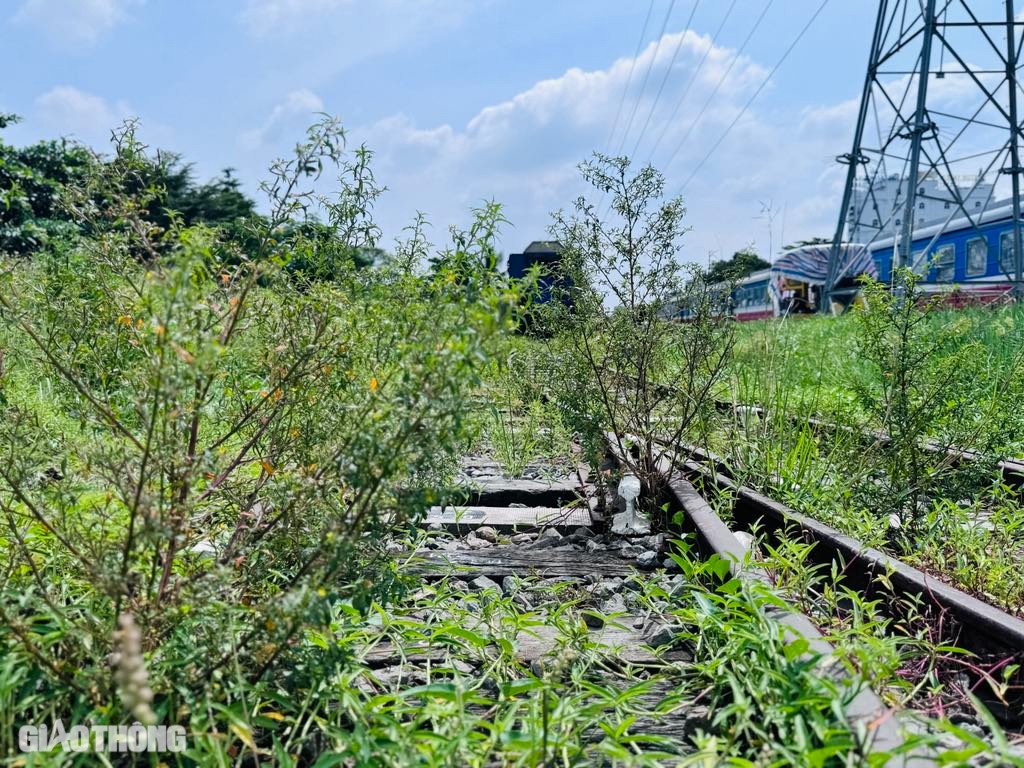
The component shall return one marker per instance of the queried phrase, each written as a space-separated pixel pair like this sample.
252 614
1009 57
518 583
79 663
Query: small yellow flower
373 384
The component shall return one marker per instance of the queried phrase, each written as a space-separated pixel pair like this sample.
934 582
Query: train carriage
973 262
752 298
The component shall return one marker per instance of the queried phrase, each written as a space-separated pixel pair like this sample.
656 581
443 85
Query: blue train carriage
973 263
752 298
747 299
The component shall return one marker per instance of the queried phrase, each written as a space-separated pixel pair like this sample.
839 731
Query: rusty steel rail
982 628
867 713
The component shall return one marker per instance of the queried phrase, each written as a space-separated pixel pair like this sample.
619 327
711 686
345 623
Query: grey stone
583 532
630 524
631 550
614 604
404 675
523 538
607 588
509 585
483 582
655 542
475 542
548 542
486 533
647 559
658 633
550 533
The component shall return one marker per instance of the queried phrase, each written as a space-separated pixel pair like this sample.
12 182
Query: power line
693 78
647 75
718 86
664 79
756 93
629 79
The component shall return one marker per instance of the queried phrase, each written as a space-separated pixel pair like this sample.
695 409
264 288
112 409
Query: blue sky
465 100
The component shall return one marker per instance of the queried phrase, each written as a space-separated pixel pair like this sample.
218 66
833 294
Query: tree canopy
741 264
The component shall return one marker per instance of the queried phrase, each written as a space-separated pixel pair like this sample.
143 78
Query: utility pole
908 125
916 133
852 160
1014 170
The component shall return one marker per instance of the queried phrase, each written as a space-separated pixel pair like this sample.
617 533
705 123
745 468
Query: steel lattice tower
939 107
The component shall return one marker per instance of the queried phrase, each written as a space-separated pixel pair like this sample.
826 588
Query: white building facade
877 211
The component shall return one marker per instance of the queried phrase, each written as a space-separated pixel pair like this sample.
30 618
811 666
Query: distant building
547 254
876 211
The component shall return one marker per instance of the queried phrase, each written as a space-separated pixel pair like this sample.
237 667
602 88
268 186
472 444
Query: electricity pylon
937 128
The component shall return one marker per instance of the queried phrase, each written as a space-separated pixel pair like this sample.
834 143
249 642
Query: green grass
809 365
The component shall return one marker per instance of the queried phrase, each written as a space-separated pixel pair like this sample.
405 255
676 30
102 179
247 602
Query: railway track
509 535
986 631
1011 469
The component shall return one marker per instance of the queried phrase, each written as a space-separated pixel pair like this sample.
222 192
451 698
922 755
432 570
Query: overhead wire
718 86
665 77
693 78
647 76
754 95
629 78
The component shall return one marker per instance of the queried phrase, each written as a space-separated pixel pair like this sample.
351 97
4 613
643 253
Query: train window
917 261
1007 262
977 256
944 261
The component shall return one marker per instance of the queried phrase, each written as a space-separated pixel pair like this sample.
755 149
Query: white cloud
79 22
67 111
288 117
524 151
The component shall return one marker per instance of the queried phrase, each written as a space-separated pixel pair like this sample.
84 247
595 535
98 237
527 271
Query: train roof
544 246
753 277
987 217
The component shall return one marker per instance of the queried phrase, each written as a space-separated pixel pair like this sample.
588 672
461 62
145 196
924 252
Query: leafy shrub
917 387
221 450
629 366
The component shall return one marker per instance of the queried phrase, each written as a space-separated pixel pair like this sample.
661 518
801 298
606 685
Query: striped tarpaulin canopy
809 263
